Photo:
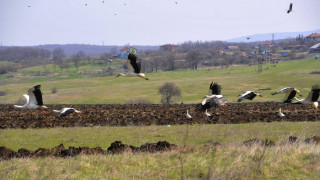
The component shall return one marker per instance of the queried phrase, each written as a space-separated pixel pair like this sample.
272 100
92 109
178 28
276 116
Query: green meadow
76 88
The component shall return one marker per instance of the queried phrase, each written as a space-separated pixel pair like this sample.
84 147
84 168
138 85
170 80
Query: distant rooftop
266 43
314 35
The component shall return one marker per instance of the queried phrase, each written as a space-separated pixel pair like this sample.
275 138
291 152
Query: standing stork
312 98
280 113
66 111
188 116
34 99
248 95
134 67
290 8
290 94
207 114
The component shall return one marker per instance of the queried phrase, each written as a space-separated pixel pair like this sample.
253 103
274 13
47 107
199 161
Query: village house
266 44
315 48
124 52
168 47
313 36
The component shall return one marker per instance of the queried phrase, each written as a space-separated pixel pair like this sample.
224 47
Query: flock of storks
214 99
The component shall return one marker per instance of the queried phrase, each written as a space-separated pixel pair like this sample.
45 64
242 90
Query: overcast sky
148 22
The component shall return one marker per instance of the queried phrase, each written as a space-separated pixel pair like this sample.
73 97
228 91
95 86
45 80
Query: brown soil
125 115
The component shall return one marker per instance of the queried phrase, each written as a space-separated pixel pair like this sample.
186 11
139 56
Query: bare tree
193 58
169 91
156 63
114 50
170 61
58 55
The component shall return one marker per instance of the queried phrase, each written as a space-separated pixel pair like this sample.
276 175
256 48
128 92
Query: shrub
2 93
169 91
54 90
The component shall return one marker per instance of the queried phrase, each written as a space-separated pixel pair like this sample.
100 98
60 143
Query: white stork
248 95
290 94
207 114
188 115
34 99
66 111
215 99
312 98
133 67
280 113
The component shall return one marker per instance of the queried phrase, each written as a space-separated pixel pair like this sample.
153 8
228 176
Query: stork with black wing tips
134 68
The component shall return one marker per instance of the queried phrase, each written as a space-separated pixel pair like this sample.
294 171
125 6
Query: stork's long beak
43 109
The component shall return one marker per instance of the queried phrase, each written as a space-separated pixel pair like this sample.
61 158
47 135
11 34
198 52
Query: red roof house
313 36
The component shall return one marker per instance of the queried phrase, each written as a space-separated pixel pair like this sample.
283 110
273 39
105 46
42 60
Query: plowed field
155 114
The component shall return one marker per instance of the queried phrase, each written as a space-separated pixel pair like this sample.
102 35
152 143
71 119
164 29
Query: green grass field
74 89
199 158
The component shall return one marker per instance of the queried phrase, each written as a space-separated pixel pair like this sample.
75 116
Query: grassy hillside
73 88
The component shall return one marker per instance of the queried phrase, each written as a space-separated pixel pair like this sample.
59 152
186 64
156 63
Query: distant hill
268 36
89 50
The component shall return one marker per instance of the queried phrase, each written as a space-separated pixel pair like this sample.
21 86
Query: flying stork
134 67
34 99
248 95
215 99
290 8
290 94
312 98
66 111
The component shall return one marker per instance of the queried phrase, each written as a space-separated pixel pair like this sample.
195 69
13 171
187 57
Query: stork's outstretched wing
32 97
133 61
290 8
214 88
290 94
284 90
38 94
314 94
